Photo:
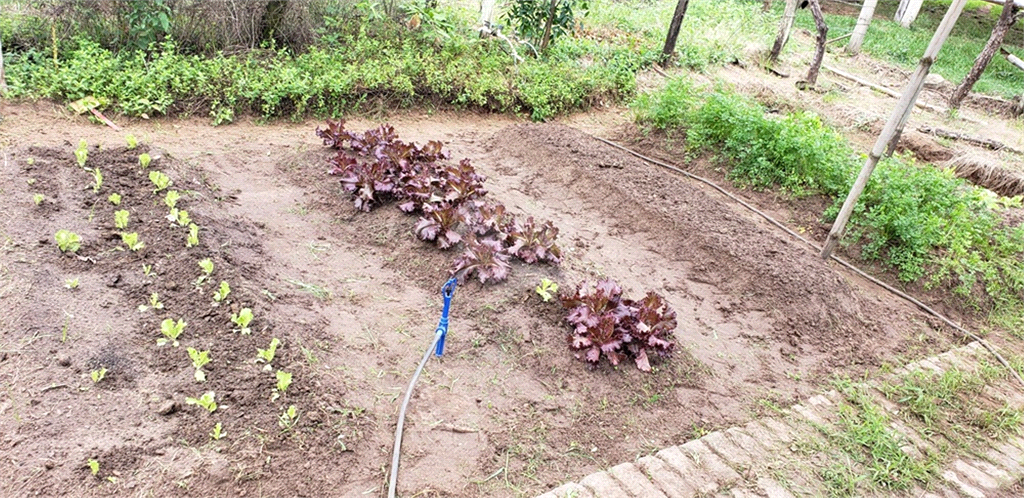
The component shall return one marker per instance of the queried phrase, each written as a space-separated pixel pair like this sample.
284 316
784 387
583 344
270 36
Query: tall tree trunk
1010 15
861 30
3 80
785 26
673 32
819 52
547 26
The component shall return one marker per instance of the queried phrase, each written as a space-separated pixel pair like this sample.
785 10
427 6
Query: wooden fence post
819 51
861 29
907 12
785 26
673 32
891 133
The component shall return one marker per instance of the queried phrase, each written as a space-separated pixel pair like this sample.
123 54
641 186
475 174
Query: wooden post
673 32
819 51
487 13
861 29
785 26
894 126
3 80
1007 19
907 12
1012 59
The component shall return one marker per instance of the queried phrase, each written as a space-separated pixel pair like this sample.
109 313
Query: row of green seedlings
376 167
70 242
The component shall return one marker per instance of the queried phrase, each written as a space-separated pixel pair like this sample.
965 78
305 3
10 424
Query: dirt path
509 411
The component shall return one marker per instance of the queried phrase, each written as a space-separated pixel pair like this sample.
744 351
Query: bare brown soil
508 411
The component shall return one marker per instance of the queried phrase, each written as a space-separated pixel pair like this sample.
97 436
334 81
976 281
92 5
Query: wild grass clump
922 221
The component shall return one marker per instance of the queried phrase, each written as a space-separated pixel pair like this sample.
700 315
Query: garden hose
437 346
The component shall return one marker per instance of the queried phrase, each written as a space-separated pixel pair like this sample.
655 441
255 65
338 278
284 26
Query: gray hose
393 482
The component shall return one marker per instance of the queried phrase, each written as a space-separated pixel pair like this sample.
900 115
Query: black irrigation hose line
817 250
397 452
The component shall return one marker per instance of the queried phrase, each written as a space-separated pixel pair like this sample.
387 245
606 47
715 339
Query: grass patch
889 41
926 224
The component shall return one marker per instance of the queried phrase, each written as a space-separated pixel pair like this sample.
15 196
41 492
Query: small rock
64 360
115 281
167 407
934 81
172 286
49 464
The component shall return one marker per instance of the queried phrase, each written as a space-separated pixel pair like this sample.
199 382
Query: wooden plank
894 127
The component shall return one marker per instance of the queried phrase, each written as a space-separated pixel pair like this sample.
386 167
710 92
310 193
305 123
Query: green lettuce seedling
222 292
97 375
38 198
267 355
94 466
171 331
546 288
288 418
114 199
199 358
171 199
71 283
183 218
121 219
132 142
82 153
217 433
284 379
97 177
154 303
160 180
207 400
144 160
147 270
68 241
132 241
242 319
207 266
193 235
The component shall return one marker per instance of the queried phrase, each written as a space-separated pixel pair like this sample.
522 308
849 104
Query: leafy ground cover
370 63
918 219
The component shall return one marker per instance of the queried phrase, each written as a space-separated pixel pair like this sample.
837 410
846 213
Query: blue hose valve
442 327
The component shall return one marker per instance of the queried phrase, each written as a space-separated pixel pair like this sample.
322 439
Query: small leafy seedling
546 288
199 358
267 355
217 432
132 142
94 466
114 199
97 177
82 153
288 418
121 219
193 235
144 160
147 270
160 180
206 264
71 283
154 303
97 375
38 198
68 241
171 330
207 400
171 199
132 241
183 218
242 319
222 292
284 379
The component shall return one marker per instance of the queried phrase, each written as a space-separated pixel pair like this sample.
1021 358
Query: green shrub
922 221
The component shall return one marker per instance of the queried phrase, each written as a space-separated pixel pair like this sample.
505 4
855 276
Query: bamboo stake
859 31
1012 59
894 127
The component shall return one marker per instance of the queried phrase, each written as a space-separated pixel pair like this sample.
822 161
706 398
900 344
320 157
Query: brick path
775 457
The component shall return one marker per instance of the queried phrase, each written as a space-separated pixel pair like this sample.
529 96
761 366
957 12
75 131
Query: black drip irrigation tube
970 335
437 347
